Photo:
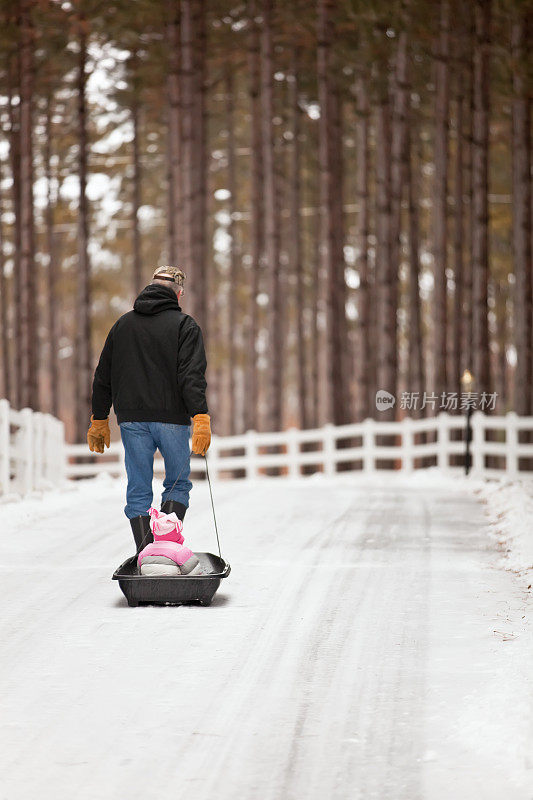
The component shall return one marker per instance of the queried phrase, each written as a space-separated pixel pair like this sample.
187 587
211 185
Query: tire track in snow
320 602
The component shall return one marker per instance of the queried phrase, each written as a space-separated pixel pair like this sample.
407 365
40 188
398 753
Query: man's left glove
201 433
98 435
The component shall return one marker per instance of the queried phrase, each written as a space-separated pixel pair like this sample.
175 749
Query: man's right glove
98 435
201 434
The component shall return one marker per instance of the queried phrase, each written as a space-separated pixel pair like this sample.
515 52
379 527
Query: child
167 555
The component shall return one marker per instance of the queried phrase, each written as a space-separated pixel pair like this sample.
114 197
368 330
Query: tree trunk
232 293
468 361
398 152
257 230
311 241
171 229
188 149
386 276
4 304
83 310
137 281
480 152
199 178
53 311
296 243
364 306
30 382
502 329
440 217
458 240
333 366
272 229
341 371
325 411
13 81
315 330
521 149
174 215
415 363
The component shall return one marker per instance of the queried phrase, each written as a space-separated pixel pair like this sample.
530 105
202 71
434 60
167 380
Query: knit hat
172 274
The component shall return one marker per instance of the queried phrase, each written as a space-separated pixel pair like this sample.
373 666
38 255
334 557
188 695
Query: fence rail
32 455
367 447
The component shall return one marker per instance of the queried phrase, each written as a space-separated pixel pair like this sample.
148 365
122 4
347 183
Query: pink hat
166 527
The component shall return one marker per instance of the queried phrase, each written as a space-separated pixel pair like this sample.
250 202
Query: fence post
5 445
61 457
38 446
47 474
511 444
368 445
478 442
251 453
25 450
407 445
328 447
442 441
293 453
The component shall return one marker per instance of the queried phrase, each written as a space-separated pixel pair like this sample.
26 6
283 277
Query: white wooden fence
364 447
32 455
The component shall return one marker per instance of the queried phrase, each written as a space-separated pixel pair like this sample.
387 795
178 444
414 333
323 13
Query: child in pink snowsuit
167 555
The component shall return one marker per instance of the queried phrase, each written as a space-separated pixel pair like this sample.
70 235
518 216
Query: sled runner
175 589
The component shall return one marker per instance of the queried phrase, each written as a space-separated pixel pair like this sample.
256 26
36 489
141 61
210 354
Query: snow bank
509 507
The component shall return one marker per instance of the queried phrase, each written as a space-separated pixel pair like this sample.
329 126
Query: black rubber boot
170 506
142 534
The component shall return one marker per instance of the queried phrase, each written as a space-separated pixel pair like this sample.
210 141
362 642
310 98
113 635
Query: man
152 369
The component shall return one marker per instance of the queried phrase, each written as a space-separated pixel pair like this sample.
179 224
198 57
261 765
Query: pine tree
256 210
440 217
365 349
480 156
4 303
521 150
272 227
83 352
30 396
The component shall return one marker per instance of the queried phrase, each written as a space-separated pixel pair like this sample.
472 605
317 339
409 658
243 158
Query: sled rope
212 505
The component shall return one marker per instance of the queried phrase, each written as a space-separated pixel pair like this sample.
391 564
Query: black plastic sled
176 590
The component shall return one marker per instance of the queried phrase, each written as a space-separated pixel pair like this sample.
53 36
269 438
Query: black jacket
152 367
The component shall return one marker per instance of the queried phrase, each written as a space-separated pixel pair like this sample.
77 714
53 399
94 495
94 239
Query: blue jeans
141 440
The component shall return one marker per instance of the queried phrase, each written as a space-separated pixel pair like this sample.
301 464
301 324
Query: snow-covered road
351 653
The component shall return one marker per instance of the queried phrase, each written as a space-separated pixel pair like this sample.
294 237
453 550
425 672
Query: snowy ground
367 644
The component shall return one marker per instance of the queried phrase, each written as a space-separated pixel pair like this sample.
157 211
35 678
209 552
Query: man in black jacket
152 370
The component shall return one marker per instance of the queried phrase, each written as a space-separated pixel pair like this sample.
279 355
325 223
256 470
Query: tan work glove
98 435
201 434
